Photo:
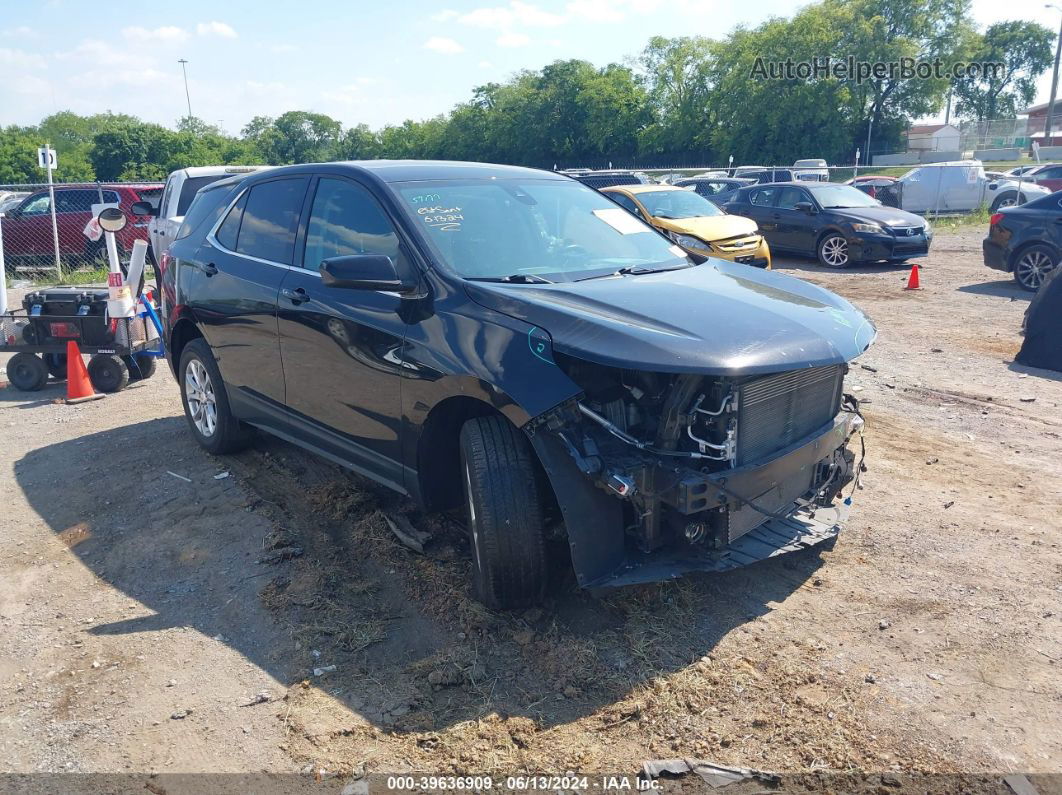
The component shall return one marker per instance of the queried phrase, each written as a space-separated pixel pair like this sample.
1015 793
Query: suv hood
719 318
885 216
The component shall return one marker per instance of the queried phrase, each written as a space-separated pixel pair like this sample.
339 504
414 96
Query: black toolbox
69 302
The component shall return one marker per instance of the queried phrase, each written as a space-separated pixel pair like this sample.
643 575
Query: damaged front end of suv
734 448
699 472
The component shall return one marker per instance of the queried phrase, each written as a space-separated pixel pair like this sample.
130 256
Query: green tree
297 136
1025 50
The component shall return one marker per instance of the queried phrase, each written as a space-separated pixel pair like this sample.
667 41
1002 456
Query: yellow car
694 223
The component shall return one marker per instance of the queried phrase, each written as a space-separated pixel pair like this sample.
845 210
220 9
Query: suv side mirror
144 208
805 207
363 272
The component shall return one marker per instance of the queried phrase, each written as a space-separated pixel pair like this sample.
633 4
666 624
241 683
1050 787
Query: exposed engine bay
699 461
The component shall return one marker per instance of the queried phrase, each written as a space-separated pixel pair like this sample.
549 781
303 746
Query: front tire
504 500
1033 266
206 403
833 251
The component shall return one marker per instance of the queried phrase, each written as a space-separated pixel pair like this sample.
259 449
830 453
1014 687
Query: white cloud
445 15
443 45
215 28
597 10
166 33
99 53
21 60
266 89
514 15
20 32
513 40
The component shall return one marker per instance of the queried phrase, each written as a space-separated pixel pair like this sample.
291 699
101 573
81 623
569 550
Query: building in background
933 138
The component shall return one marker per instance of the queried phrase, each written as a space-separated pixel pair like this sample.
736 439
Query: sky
360 62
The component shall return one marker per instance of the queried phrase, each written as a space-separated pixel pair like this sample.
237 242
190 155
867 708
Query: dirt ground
165 611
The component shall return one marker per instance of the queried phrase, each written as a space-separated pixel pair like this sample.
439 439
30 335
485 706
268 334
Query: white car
181 187
811 170
958 186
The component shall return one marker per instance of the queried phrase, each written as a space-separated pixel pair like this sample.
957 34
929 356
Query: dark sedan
717 190
1026 240
838 224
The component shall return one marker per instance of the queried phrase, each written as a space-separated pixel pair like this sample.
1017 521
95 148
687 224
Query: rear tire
1005 200
108 373
140 367
1033 265
504 500
27 372
206 403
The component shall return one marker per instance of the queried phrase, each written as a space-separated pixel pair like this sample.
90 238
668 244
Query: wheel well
184 332
1025 247
828 231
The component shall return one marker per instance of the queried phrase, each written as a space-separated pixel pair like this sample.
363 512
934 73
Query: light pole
187 96
1054 82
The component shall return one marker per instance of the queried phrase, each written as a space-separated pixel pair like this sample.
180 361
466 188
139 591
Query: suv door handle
210 269
297 296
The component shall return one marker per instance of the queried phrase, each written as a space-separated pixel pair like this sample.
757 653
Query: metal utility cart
120 349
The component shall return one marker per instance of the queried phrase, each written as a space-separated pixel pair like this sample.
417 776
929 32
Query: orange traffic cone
912 280
78 386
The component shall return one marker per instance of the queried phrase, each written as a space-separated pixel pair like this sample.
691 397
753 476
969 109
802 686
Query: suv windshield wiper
512 278
631 270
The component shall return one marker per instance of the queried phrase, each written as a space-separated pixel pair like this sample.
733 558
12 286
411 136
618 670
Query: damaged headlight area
700 461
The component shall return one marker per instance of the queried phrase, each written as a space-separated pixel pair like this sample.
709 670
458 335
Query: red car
27 228
1048 175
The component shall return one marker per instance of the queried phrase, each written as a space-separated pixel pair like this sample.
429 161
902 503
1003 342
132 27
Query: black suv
511 341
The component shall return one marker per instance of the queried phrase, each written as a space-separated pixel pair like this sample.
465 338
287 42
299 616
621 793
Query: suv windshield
839 196
676 204
559 230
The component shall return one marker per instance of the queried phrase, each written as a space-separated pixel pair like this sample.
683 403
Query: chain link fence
45 229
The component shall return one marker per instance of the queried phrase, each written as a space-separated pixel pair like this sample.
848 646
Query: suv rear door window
345 219
270 220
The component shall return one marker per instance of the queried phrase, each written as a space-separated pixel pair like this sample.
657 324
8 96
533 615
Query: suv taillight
995 219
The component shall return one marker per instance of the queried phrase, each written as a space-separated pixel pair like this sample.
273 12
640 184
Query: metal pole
1054 85
3 271
870 126
55 224
187 96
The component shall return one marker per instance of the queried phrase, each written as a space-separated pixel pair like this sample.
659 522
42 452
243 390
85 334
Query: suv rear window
207 205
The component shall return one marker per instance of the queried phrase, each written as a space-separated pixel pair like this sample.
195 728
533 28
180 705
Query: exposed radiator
777 410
